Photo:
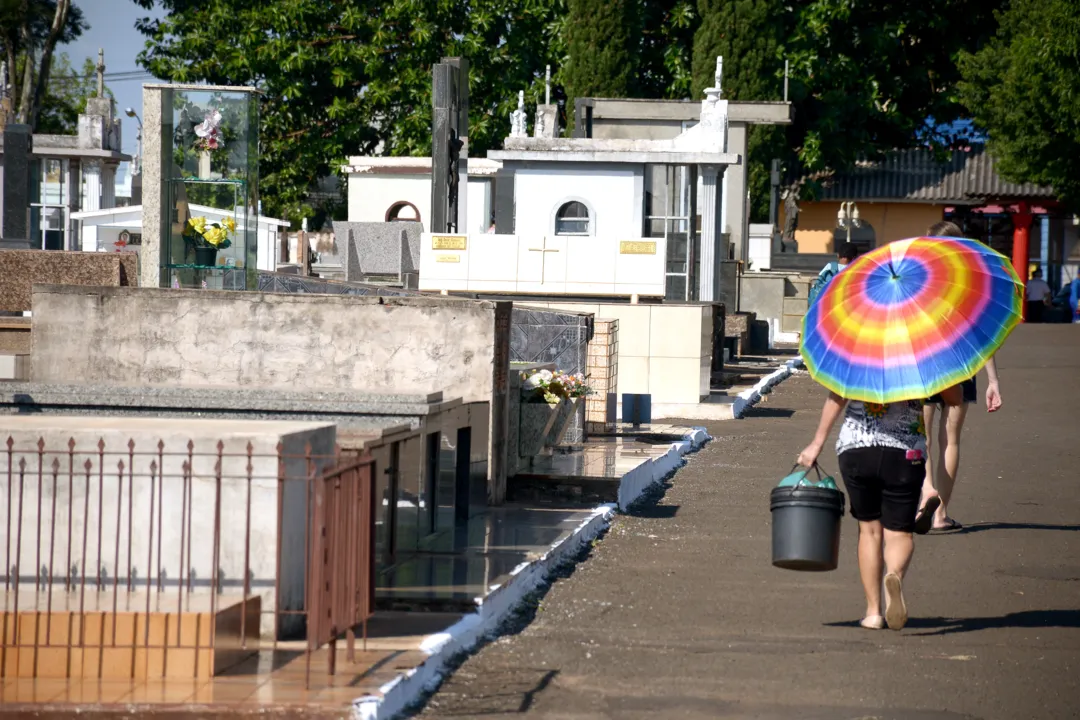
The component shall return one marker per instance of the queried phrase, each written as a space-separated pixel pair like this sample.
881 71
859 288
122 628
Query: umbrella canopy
911 318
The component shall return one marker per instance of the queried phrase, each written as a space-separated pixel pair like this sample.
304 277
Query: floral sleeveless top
896 425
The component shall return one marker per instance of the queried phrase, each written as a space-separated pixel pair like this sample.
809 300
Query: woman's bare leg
928 489
952 425
899 549
871 564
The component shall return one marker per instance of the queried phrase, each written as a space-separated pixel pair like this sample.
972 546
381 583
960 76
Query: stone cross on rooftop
101 73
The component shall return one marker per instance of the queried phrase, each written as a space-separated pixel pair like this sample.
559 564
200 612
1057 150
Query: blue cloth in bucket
799 478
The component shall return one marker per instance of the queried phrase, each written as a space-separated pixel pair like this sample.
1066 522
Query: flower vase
536 421
204 165
205 256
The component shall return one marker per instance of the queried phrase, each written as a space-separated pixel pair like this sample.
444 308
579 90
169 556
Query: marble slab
543 265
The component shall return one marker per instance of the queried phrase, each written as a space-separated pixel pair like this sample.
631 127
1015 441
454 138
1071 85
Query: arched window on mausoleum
572 218
403 210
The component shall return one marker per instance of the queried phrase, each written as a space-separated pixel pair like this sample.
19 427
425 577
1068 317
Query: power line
108 76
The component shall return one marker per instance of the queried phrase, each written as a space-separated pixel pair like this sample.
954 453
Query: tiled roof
966 177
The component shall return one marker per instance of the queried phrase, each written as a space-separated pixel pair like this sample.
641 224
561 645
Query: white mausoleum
557 216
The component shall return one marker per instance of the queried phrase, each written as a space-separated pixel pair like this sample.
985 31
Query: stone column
108 186
152 169
711 233
736 218
91 193
90 200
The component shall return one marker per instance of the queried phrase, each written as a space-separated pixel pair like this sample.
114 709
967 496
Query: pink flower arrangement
553 386
208 132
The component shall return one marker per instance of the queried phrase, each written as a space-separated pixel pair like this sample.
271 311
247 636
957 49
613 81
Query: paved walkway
678 613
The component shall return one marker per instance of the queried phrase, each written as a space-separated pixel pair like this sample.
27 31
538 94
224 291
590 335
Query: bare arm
993 390
834 405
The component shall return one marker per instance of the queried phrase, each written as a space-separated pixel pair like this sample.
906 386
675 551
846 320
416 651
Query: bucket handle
815 467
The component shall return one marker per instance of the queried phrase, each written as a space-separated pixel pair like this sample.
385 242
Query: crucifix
542 250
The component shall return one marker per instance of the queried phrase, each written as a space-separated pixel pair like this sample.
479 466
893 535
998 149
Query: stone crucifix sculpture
517 118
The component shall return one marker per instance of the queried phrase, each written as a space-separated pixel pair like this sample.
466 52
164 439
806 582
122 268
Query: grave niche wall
300 342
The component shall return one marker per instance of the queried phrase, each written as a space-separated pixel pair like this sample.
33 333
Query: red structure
1021 233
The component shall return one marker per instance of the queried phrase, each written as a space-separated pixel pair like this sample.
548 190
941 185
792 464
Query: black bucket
806 528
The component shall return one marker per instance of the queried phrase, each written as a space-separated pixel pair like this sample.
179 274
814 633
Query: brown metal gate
341 587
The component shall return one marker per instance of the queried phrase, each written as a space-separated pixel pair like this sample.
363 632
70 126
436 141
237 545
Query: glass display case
210 187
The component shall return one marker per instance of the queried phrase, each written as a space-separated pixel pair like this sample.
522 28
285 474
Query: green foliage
748 34
667 39
353 77
865 76
603 54
26 45
67 94
1024 89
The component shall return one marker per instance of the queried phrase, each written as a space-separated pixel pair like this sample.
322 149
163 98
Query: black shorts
883 484
969 389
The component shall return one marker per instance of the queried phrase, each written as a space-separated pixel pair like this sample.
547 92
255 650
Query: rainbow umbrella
911 318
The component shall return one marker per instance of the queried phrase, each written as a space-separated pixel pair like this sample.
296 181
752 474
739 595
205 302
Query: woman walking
904 321
940 480
882 452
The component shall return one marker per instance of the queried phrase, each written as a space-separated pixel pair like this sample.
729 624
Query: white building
102 231
540 196
382 189
71 174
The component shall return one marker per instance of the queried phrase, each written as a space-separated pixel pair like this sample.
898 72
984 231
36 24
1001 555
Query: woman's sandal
873 622
950 526
925 519
895 610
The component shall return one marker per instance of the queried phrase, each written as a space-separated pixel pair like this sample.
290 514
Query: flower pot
206 256
564 416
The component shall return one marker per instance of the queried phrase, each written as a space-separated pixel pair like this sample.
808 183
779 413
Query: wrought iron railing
222 533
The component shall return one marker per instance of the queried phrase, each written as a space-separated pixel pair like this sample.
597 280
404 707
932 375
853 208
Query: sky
112 28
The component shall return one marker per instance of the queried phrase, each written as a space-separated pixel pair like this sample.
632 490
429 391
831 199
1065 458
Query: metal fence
222 533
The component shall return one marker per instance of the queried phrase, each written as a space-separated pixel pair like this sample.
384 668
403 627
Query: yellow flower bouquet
201 233
206 238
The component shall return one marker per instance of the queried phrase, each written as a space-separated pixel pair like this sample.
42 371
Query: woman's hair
945 228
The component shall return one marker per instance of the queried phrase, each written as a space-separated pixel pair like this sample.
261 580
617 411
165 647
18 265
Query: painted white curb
408 688
749 398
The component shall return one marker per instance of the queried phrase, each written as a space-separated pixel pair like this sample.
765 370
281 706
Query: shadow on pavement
980 527
760 412
950 626
655 512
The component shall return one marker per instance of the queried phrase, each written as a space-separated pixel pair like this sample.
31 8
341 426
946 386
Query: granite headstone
380 249
14 232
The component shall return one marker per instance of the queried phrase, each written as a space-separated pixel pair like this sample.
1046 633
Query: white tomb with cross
597 217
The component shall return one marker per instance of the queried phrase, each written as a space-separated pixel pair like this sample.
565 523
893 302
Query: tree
30 30
66 96
1024 90
748 34
866 76
603 48
667 40
353 77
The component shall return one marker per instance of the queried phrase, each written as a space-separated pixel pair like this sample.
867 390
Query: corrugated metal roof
966 177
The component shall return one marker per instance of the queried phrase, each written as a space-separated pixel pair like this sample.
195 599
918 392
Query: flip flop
873 622
950 526
895 609
925 519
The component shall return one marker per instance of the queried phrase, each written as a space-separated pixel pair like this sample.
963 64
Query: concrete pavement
677 613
